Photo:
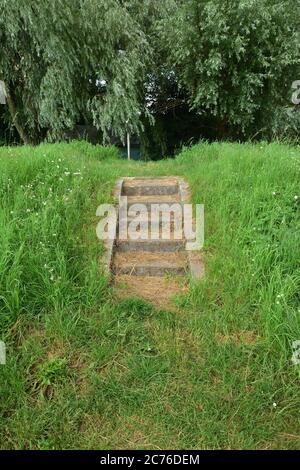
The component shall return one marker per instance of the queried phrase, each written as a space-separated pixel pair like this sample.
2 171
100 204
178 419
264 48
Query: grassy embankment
86 371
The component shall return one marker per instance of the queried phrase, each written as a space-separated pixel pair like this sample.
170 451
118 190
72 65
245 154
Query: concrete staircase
150 257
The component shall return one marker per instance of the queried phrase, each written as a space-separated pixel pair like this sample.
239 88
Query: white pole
128 145
2 93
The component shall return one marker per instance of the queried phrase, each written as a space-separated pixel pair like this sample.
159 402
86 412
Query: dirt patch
240 337
158 290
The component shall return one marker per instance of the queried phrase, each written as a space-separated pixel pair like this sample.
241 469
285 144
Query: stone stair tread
162 246
148 264
150 187
155 181
149 258
154 199
146 217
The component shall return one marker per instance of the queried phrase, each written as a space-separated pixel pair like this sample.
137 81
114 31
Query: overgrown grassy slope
86 371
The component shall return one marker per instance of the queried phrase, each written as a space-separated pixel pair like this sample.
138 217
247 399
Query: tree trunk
15 119
223 128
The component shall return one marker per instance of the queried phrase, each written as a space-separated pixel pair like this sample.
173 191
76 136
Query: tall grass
86 371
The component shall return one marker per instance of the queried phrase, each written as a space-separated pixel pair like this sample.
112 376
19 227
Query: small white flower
296 197
28 210
274 193
274 404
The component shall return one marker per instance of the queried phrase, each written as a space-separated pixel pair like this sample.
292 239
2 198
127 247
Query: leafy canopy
236 58
66 59
104 61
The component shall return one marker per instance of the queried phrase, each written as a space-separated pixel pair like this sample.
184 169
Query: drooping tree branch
15 116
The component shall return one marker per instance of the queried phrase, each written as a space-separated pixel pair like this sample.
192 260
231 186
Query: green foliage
237 59
41 191
214 373
55 55
51 371
122 64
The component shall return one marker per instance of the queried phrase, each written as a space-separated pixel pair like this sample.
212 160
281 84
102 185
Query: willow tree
64 59
237 59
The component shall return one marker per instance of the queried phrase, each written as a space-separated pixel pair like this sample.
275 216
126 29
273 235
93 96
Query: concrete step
150 245
150 264
162 231
150 202
155 198
150 186
143 218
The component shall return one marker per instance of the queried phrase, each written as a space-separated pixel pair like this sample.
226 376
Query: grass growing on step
87 371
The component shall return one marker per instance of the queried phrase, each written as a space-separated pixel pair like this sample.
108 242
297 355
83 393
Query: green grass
84 371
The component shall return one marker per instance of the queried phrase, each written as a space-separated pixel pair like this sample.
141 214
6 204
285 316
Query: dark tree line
169 71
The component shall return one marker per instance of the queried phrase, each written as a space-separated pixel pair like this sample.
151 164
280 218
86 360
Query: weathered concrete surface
142 187
158 268
106 260
150 259
150 245
150 264
196 264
